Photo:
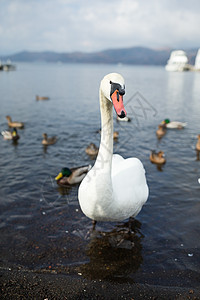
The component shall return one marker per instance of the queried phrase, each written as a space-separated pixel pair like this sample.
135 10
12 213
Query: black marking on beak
117 95
122 115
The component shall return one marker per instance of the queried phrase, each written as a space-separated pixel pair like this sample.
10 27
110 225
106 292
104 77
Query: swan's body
48 140
72 176
115 188
173 124
198 143
14 124
157 157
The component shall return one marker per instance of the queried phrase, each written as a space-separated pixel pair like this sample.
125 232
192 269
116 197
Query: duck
198 143
72 176
48 140
92 149
8 135
125 119
115 135
14 124
173 124
41 98
161 131
157 157
115 188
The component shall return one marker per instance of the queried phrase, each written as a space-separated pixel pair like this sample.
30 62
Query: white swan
115 188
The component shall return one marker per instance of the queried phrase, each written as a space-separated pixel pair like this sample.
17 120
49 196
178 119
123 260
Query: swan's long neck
104 158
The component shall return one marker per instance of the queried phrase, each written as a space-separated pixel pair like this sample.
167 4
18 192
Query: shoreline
19 284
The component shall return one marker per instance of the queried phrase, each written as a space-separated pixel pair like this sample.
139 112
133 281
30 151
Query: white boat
197 61
178 61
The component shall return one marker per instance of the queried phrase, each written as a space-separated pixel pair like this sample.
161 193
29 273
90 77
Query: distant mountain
134 56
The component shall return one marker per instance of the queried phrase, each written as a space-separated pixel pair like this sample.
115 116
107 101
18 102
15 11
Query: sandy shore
28 285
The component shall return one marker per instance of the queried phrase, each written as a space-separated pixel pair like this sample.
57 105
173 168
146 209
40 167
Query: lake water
41 225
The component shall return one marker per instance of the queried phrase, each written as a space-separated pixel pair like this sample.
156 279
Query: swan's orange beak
117 100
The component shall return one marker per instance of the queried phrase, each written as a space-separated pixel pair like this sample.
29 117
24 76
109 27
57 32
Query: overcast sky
88 25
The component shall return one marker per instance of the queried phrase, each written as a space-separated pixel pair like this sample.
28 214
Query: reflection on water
114 254
45 148
64 190
175 84
52 193
159 167
196 86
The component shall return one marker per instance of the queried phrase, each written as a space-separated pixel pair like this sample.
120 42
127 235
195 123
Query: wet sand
20 284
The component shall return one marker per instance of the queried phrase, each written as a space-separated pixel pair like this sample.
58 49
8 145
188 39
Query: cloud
75 25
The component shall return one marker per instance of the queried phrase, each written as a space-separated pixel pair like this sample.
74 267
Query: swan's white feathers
96 204
130 190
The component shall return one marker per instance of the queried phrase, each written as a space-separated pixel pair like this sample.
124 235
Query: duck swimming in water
161 131
92 149
8 135
173 124
42 98
157 157
48 140
14 124
115 135
115 188
72 176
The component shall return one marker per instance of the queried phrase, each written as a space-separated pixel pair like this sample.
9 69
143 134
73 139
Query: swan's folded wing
116 163
129 182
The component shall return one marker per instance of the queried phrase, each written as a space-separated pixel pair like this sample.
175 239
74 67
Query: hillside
134 55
